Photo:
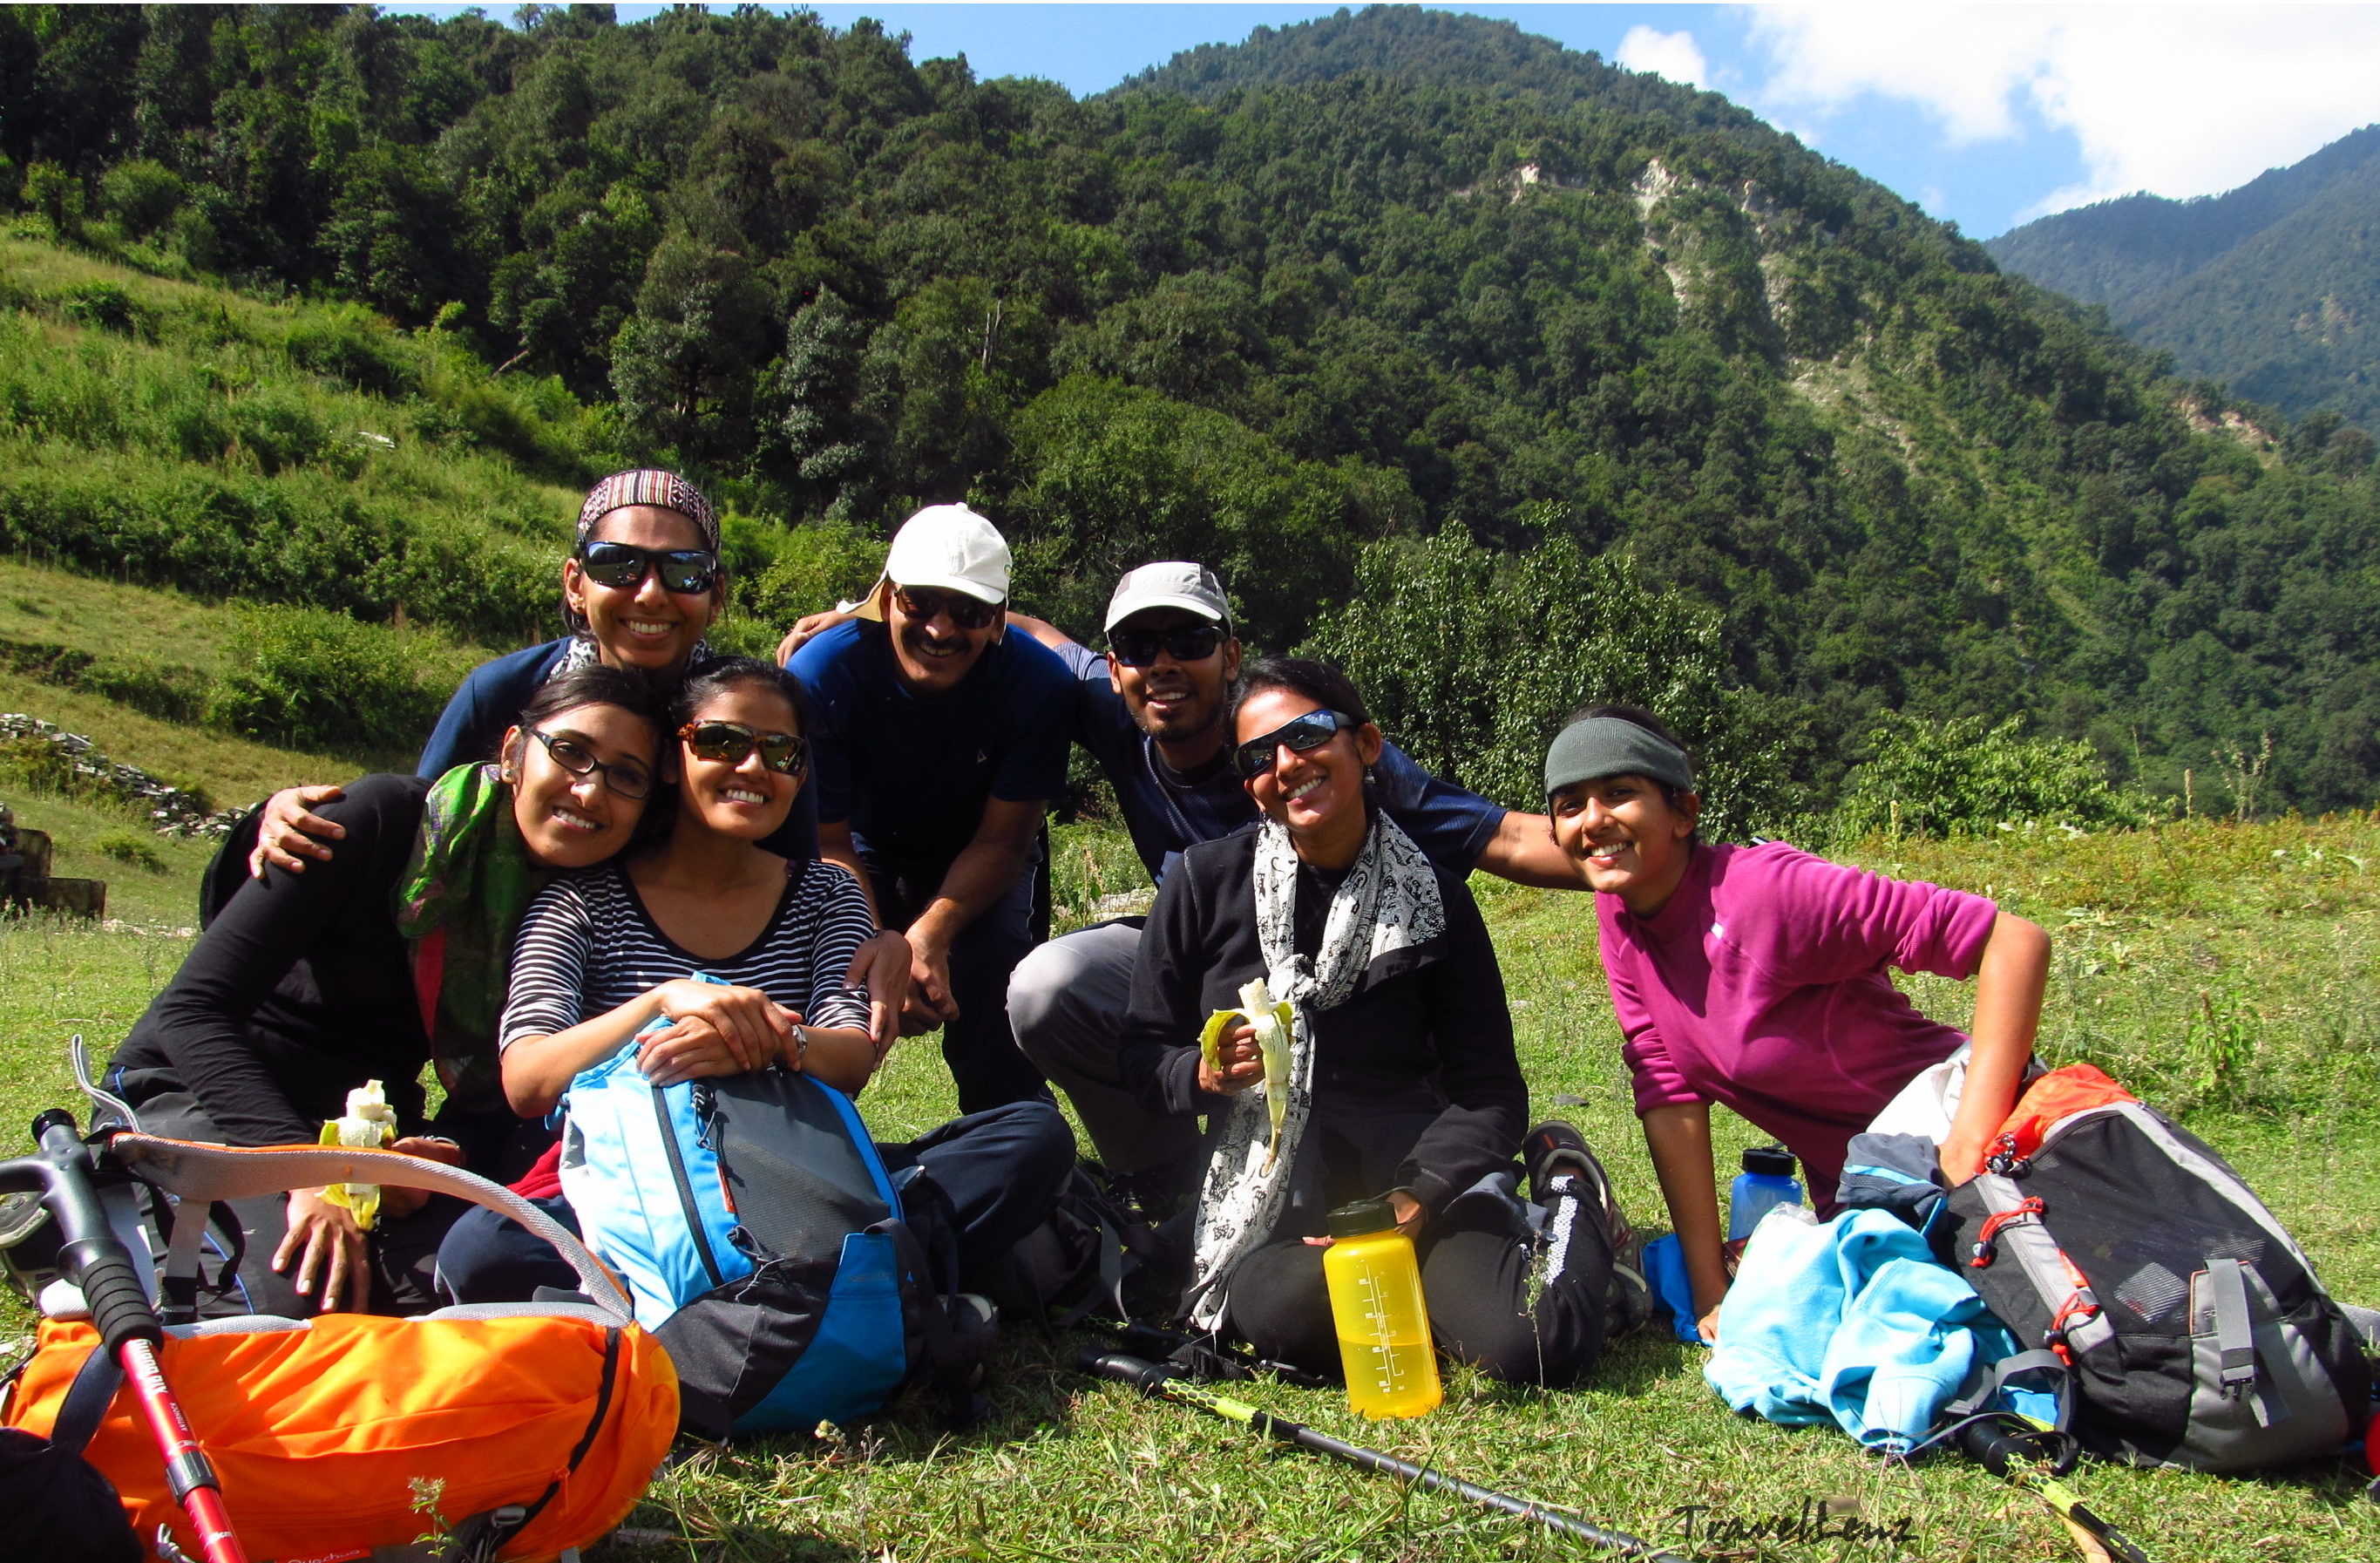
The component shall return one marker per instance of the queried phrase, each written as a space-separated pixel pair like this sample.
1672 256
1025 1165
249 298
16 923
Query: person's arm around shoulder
1460 831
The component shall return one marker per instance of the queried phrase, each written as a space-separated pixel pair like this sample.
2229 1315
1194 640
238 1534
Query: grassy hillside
2222 970
1344 286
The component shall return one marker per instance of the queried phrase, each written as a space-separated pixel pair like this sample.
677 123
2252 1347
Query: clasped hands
718 1029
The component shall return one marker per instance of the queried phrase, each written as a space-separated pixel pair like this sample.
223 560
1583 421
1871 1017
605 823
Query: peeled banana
1274 1021
370 1124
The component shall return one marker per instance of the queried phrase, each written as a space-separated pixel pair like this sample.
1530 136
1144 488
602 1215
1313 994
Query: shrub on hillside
314 679
140 196
1469 659
1966 776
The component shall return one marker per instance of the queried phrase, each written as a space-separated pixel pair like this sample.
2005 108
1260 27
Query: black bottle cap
1362 1219
1774 1160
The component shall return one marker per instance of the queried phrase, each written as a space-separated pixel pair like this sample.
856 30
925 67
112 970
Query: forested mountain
2272 287
1339 289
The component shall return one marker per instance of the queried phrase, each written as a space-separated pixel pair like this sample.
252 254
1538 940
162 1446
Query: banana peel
1274 1021
369 1124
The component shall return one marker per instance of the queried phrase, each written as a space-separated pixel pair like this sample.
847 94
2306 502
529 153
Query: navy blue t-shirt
911 772
1167 810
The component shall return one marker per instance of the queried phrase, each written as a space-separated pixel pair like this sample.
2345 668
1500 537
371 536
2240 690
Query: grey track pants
1066 1002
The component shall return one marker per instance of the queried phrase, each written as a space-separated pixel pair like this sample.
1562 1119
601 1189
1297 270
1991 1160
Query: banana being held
1273 1022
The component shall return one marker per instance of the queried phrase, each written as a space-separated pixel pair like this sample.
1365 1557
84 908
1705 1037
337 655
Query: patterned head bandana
649 485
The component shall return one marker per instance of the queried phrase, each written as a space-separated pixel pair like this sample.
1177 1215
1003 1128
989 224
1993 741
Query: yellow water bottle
1375 1304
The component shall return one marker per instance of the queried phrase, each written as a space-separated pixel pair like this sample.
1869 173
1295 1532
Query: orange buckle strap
1986 1242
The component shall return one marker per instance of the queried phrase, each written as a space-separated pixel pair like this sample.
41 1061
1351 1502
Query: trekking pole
1156 1381
2015 1457
96 1261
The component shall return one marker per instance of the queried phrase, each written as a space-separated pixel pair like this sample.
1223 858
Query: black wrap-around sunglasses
1312 730
1138 648
624 566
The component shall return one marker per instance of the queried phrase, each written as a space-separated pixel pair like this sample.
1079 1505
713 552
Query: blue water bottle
1766 1182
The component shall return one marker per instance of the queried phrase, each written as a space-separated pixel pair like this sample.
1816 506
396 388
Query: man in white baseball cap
938 739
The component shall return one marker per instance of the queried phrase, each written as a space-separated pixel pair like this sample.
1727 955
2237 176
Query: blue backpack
762 1242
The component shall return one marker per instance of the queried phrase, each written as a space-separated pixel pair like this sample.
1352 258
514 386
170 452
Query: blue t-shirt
1167 810
911 773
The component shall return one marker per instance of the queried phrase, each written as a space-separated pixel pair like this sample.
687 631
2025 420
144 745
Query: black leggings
1518 1290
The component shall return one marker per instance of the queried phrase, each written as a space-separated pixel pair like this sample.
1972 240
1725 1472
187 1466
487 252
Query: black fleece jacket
1416 1083
300 989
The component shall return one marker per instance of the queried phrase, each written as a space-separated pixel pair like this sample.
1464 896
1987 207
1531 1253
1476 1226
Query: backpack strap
86 1402
1995 1379
206 1173
2235 1341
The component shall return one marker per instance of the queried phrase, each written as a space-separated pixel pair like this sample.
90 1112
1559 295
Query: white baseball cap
947 548
1170 583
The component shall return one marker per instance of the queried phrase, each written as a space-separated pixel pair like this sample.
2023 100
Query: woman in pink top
1757 977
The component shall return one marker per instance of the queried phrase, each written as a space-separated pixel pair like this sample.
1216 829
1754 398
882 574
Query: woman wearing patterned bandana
642 585
1403 1080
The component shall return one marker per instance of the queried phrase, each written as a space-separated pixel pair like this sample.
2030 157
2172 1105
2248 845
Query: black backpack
2192 1329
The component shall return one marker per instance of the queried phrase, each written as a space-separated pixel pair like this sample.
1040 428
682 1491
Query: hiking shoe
1560 1165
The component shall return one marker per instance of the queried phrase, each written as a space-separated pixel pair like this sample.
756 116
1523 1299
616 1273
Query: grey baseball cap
1170 583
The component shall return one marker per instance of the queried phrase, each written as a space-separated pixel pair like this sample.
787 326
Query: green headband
1614 746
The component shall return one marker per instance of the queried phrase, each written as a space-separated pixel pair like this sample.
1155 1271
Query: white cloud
2181 100
1671 54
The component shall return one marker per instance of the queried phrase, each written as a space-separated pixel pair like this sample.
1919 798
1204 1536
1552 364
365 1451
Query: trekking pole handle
89 1252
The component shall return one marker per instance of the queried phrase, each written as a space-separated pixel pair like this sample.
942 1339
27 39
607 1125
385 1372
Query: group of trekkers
621 837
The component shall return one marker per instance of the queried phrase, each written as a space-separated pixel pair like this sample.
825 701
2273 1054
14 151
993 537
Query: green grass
2274 924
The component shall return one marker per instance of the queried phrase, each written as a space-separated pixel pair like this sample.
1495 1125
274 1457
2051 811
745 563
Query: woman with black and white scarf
1403 1081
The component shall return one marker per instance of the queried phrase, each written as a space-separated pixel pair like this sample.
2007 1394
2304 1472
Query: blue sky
1988 114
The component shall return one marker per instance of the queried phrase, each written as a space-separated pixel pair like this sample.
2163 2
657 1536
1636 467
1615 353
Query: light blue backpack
762 1240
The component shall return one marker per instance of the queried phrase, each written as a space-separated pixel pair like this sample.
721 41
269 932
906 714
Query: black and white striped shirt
588 946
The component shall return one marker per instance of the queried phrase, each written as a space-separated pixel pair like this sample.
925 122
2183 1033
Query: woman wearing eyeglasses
387 956
602 955
1403 1083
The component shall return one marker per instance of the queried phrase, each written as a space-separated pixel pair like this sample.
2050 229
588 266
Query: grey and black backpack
2192 1329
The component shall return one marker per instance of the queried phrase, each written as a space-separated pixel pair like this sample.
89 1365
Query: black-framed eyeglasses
729 742
923 603
624 566
1138 648
1312 730
626 778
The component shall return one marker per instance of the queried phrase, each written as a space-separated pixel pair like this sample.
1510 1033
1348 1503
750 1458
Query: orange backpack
507 1431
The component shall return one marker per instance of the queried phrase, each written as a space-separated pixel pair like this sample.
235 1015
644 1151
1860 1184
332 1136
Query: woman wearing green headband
1757 977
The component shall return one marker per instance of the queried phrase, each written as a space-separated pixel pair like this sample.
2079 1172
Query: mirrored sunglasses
624 566
1312 730
729 742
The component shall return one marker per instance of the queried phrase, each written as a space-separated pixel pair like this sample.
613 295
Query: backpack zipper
685 1189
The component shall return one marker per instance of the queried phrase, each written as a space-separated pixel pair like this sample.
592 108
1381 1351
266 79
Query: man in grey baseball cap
1153 711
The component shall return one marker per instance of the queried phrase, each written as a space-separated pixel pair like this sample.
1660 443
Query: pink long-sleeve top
1761 985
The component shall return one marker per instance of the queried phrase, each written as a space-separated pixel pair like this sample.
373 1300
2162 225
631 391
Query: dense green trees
1354 285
